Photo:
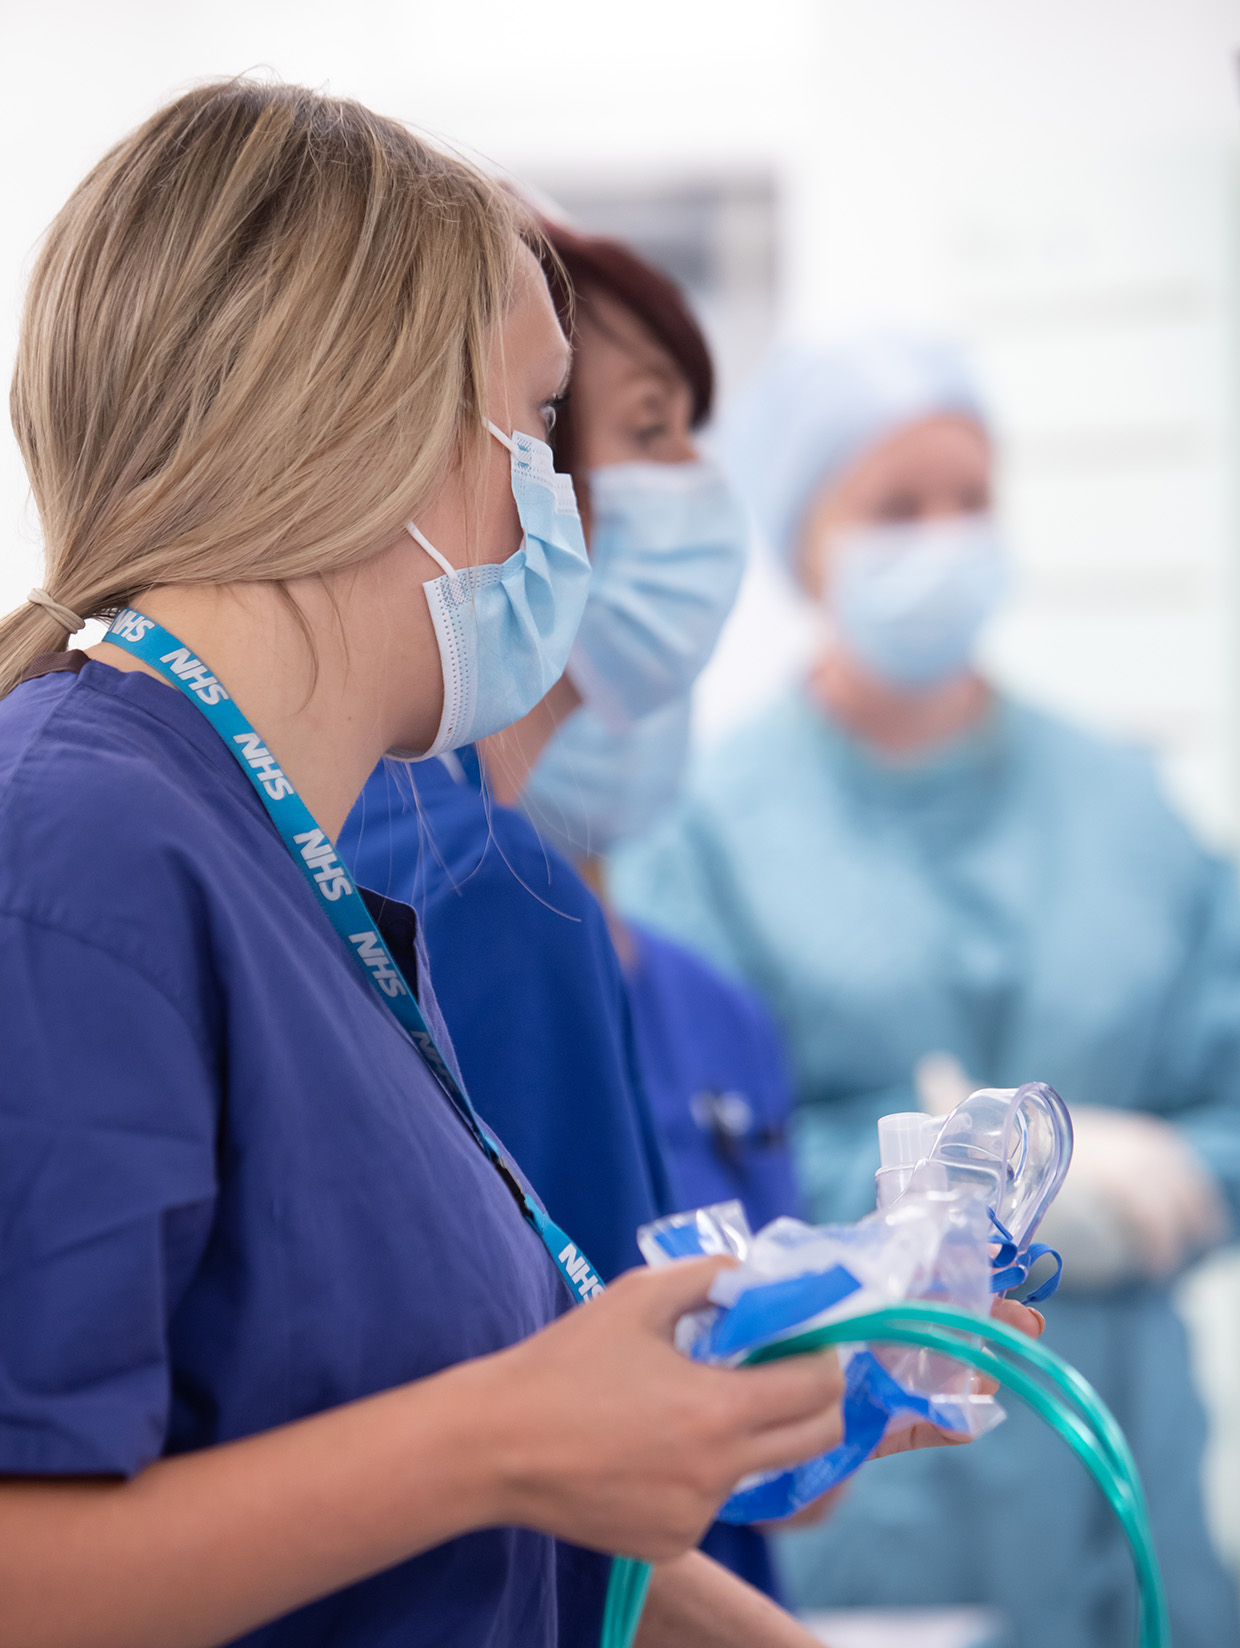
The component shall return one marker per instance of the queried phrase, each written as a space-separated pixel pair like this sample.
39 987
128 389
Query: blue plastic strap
1007 1247
763 1313
316 857
681 1241
1011 1267
1046 1288
871 1397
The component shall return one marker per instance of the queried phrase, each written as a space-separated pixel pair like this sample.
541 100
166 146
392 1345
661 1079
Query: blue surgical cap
812 409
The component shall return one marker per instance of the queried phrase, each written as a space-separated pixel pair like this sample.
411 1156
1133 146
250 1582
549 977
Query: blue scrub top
718 1086
562 1056
716 1078
529 981
233 1194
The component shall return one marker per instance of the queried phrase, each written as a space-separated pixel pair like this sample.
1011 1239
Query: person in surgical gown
937 887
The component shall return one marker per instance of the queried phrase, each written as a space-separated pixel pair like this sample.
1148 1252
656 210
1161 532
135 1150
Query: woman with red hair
622 1096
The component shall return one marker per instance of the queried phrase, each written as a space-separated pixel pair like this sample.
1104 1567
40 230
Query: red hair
577 266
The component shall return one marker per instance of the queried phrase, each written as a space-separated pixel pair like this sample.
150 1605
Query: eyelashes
548 411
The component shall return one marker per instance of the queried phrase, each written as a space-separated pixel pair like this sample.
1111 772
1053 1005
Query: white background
1057 179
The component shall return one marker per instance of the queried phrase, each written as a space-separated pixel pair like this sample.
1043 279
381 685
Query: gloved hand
941 1082
1138 1202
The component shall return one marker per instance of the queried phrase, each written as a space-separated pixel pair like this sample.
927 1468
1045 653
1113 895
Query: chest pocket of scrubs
735 1132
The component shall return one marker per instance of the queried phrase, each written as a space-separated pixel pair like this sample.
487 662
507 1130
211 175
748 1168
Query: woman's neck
509 757
593 872
890 719
327 727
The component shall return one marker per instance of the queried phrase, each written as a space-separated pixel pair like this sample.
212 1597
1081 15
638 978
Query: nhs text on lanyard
316 857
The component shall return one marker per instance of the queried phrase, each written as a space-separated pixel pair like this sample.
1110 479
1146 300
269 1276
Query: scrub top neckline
973 754
166 705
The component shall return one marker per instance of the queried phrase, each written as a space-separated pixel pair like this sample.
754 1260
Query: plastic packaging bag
940 1235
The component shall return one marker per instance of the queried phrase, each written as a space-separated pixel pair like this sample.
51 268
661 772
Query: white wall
1050 176
77 74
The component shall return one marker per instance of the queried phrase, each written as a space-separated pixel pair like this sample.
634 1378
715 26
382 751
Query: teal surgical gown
1026 901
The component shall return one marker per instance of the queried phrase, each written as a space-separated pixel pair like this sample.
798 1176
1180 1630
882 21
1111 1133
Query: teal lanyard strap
316 857
626 1597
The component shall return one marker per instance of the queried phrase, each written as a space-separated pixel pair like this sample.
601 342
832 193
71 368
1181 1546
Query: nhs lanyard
316 857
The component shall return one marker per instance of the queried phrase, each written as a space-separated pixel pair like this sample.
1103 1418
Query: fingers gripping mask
667 543
505 630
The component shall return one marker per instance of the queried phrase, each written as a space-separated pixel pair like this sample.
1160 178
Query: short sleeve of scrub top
233 1195
527 975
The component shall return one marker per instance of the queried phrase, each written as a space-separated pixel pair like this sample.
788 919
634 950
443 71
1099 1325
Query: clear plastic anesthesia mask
1009 1146
904 1296
958 1201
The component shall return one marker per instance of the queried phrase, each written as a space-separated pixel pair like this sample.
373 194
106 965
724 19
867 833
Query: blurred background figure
937 887
666 538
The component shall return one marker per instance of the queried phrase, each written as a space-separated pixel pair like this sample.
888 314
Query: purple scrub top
232 1195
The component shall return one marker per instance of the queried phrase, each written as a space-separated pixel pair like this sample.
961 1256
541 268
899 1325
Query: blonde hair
253 341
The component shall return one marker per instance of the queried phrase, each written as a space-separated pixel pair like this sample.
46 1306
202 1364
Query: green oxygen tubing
1049 1385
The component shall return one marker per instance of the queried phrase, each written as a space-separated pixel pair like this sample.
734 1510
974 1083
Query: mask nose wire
442 560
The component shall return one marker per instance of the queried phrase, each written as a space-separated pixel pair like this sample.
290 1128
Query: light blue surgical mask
667 543
505 630
909 599
593 788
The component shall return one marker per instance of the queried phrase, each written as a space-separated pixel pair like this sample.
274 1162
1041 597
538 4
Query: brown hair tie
62 613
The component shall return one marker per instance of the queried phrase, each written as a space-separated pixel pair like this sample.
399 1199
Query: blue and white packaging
941 1236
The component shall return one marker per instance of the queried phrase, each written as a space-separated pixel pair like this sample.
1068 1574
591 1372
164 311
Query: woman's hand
601 1432
595 1429
925 1435
920 1435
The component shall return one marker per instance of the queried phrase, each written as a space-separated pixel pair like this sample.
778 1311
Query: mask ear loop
420 538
